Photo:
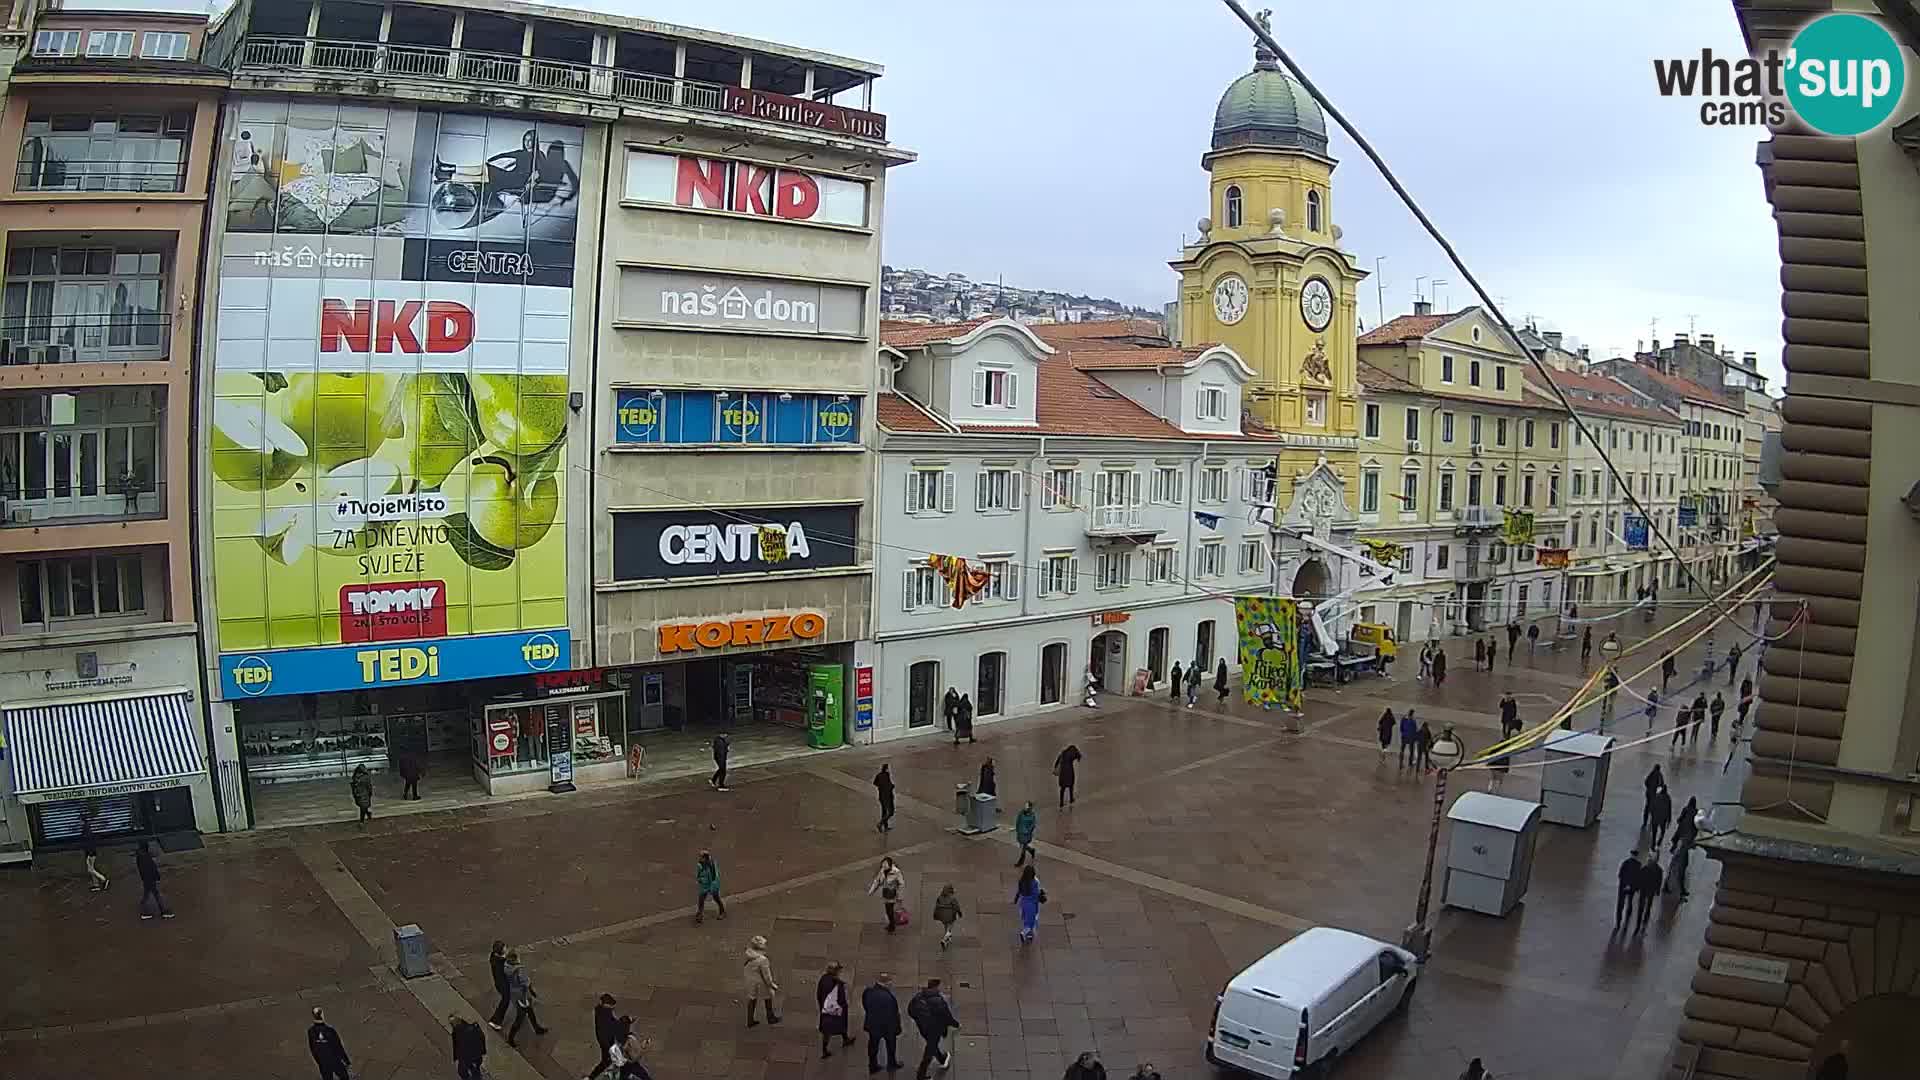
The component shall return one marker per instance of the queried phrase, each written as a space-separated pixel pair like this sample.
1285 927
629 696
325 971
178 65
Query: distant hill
910 292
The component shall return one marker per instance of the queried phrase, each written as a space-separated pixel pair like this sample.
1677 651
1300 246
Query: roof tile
1406 328
1098 329
896 413
906 335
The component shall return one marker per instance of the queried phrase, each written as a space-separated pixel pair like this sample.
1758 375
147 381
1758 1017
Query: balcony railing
79 338
78 500
555 76
1112 520
119 176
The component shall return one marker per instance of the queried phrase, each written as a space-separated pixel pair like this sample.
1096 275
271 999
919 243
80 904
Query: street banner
1634 530
1552 558
1269 632
1518 527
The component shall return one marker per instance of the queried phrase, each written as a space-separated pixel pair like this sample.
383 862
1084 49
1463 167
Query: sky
1059 145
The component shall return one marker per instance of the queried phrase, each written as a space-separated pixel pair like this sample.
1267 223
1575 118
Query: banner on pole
1269 632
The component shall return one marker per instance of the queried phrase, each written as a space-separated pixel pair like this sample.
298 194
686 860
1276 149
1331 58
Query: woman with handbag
1028 896
832 996
890 883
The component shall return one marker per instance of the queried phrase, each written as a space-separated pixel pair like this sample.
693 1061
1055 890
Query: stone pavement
1202 838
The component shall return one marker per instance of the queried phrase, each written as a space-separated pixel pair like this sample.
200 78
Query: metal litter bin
410 947
962 800
985 813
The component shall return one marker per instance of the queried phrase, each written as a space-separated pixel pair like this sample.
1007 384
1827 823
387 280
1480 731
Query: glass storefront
517 736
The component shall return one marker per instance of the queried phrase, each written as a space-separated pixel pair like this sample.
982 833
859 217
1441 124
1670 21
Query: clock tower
1267 276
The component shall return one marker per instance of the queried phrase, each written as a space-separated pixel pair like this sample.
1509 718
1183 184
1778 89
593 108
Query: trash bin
410 946
962 799
985 815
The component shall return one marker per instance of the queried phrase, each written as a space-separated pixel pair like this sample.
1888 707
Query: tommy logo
386 326
393 611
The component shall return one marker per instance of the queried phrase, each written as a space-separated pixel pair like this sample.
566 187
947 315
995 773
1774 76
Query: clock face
1316 303
1230 299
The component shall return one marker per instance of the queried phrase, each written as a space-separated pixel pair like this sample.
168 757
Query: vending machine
825 706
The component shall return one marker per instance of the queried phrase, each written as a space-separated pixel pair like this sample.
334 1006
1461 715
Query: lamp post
1447 752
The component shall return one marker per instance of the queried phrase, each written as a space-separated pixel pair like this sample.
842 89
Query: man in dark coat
1513 639
1651 879
328 1051
722 746
607 1031
882 1022
469 1047
150 883
497 961
934 1017
1439 667
950 708
1629 884
963 720
1509 715
1063 767
883 784
1660 815
989 780
1667 670
410 773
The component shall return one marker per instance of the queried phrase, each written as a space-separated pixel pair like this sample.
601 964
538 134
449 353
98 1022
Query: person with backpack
933 1015
891 883
469 1048
706 878
328 1051
946 912
1028 896
831 993
1193 684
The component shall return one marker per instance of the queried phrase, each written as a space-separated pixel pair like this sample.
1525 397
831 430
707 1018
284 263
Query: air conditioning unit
1413 446
20 515
1476 448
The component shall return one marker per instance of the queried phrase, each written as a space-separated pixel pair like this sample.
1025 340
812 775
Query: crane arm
1368 569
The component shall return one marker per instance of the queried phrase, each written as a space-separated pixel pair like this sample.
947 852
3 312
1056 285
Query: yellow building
1462 466
1267 277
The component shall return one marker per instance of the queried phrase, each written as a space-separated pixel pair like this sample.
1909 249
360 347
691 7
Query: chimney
1750 359
1706 342
1586 355
1553 338
1423 307
1679 340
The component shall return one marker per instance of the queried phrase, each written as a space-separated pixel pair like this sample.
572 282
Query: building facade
515 312
106 131
1463 468
1808 965
1103 496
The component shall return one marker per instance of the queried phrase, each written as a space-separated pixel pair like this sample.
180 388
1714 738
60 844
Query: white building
1106 492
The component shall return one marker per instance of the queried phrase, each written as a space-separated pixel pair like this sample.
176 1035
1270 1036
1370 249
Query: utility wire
1393 181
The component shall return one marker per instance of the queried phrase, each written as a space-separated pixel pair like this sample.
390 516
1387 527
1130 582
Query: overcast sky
1060 145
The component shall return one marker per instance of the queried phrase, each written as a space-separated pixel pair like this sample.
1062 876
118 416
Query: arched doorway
1053 673
1311 581
1109 657
923 693
1870 1038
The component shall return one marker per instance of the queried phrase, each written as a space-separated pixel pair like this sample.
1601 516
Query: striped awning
106 746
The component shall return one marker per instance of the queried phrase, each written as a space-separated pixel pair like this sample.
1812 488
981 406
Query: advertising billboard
698 300
698 542
744 187
387 438
734 418
1269 630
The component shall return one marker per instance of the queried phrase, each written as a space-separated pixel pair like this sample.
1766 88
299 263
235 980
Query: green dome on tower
1266 108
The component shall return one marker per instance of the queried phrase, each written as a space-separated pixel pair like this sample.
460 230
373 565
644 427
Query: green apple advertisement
387 437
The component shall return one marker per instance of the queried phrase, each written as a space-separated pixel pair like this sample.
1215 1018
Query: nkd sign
676 298
744 187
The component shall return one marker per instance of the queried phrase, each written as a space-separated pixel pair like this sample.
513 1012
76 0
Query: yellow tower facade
1267 276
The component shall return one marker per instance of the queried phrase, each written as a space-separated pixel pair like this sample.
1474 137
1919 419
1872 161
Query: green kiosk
826 724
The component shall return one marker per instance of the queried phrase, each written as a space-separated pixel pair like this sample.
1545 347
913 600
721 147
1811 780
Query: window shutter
979 386
980 489
1073 575
913 491
907 590
946 491
1134 484
1126 568
1013 388
1013 581
1016 486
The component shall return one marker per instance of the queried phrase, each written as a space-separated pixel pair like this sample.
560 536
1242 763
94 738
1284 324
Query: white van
1308 1001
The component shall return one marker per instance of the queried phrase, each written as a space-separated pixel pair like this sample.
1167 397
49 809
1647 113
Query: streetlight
1447 752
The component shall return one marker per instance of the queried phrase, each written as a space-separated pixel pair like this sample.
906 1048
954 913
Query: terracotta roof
1406 328
1103 357
1600 394
1376 378
1112 329
896 413
1684 386
906 335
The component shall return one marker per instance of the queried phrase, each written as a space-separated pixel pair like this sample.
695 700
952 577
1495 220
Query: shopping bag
900 917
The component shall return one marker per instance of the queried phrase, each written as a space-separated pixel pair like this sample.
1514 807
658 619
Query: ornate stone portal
1319 508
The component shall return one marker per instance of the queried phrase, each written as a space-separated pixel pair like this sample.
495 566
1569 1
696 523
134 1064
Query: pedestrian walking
1028 896
1744 705
890 882
933 1015
883 784
607 1034
1493 651
1677 871
706 878
1611 698
96 881
1423 740
627 1054
1667 670
1145 1071
525 998
1086 1067
1686 828
360 784
722 746
1660 816
497 963
1426 663
1653 708
1439 666
1193 684
1178 683
1513 639
1533 637
963 713
1475 1071
469 1048
1220 681
151 902
1497 771
1386 730
880 1012
1628 883
989 781
946 912
1651 880
950 709
758 972
1714 712
1733 661
1509 715
1711 658
328 1051
1025 824
410 773
1586 647
1479 654
1065 767
1409 740
831 994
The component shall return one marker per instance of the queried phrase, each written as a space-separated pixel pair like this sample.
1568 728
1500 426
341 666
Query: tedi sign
1843 75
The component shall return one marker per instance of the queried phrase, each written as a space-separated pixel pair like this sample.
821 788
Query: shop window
923 693
1053 673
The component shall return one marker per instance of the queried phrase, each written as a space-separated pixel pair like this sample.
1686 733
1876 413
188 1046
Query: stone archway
1873 1037
1312 581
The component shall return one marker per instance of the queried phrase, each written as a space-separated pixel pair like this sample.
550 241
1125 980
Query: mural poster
1269 631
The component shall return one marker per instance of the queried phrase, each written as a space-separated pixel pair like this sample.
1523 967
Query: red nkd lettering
701 183
796 197
388 326
751 186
